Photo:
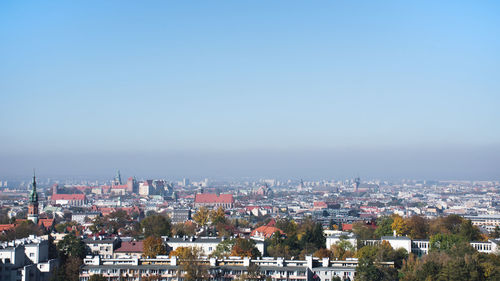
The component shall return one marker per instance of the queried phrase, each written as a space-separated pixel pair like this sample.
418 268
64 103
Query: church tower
33 203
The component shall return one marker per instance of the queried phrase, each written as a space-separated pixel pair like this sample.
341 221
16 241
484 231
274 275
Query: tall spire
33 194
34 180
33 202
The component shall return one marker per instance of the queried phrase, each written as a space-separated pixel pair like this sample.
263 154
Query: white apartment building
26 259
167 268
488 222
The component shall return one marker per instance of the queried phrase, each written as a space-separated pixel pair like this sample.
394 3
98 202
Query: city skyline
282 89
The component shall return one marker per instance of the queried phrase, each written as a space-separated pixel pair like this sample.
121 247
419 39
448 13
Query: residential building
26 259
167 268
129 249
488 222
225 201
102 246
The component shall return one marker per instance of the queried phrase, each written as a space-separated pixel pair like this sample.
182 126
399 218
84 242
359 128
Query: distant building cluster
250 210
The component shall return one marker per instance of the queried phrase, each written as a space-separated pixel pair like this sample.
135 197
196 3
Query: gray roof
195 239
395 238
165 266
99 241
334 268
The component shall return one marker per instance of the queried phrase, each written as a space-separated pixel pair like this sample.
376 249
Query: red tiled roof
213 198
347 226
133 246
47 223
320 204
4 227
68 197
266 231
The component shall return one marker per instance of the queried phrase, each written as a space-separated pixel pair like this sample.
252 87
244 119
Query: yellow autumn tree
153 246
399 225
217 216
202 217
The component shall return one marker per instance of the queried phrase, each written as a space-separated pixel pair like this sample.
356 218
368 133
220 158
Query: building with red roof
320 205
214 200
265 231
7 227
130 249
69 199
347 227
46 223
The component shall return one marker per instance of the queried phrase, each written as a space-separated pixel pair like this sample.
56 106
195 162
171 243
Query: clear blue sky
300 82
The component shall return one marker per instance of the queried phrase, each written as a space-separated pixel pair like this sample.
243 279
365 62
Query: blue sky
85 81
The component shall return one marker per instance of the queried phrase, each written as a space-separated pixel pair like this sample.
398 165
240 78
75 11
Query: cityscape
257 230
249 140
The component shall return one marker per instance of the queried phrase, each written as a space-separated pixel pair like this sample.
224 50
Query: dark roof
394 238
195 240
133 246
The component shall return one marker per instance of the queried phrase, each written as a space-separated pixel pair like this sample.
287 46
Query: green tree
496 232
97 277
314 236
72 246
289 227
453 270
156 225
468 231
367 271
117 220
384 226
53 253
444 242
224 248
363 231
98 224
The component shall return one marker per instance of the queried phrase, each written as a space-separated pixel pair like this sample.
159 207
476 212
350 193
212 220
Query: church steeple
33 193
33 202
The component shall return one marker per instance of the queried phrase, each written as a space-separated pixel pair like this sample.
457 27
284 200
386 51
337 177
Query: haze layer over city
283 89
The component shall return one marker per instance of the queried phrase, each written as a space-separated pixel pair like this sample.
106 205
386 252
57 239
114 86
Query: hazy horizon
267 89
